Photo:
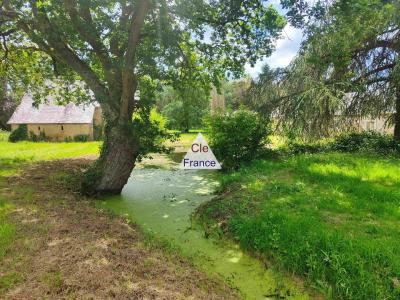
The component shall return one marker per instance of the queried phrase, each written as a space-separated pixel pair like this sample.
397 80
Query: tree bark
121 145
111 171
396 134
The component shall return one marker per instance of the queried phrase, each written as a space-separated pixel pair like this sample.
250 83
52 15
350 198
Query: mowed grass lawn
14 156
26 152
331 218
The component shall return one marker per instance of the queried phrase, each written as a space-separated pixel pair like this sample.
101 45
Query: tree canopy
347 66
118 47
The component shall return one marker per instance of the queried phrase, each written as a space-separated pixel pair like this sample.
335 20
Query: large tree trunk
397 117
111 171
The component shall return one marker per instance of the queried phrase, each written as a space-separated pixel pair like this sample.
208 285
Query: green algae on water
162 201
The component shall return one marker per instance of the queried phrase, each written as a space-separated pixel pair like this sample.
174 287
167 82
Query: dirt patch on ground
66 248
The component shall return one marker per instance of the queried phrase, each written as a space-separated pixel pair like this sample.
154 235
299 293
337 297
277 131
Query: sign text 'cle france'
200 156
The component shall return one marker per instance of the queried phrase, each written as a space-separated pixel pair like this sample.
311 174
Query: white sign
200 156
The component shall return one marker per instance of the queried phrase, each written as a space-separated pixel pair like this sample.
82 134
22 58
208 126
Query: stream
161 201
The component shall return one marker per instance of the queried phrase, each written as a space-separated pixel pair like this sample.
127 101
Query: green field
15 154
35 151
331 218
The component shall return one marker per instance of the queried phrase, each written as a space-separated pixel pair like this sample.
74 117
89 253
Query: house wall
377 124
58 132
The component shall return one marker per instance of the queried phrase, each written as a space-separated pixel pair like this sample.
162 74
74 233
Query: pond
162 201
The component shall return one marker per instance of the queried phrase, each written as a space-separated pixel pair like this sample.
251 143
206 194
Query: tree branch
56 47
375 71
7 32
134 33
129 82
82 22
126 12
373 44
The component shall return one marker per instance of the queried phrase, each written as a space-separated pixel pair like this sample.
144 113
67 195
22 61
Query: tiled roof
51 113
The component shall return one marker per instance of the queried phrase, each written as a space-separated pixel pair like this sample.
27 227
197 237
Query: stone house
58 122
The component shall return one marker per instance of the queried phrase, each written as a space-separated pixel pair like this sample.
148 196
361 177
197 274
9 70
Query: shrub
38 138
300 148
19 134
152 132
97 132
237 137
32 136
81 138
367 141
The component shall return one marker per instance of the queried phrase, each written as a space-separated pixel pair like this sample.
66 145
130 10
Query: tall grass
331 218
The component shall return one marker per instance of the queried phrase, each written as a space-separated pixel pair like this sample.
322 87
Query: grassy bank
331 218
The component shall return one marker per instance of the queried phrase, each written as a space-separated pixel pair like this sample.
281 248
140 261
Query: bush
38 138
19 134
97 132
300 148
81 138
152 132
237 137
367 141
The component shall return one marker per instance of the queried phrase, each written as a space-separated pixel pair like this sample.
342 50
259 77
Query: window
39 128
62 127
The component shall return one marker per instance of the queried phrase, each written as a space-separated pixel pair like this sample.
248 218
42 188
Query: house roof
51 113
